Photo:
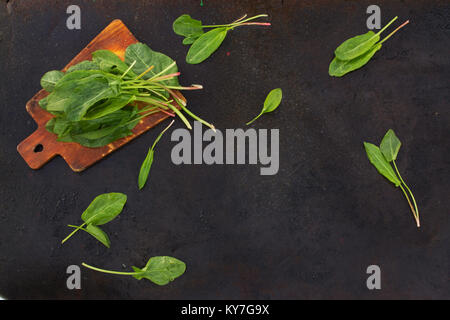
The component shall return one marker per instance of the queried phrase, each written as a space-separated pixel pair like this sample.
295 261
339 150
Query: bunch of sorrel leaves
381 157
203 43
355 52
95 102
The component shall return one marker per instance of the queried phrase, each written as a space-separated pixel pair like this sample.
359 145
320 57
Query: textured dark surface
308 232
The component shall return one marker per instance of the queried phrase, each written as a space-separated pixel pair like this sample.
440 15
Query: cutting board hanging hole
38 148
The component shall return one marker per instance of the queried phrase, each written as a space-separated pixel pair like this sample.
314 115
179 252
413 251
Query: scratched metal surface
308 232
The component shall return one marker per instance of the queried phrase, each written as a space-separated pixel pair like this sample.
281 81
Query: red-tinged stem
183 107
392 33
167 76
168 113
254 24
193 87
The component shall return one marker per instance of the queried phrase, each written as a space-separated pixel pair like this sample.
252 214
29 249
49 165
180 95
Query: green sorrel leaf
206 45
185 26
161 270
104 208
338 68
50 79
380 163
390 145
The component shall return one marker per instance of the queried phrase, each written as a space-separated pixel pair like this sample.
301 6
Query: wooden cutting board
41 146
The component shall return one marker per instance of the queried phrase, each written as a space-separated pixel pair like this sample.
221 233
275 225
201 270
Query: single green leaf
114 135
77 91
94 231
102 131
50 79
272 102
206 45
55 102
146 57
185 26
145 169
338 68
380 163
78 75
356 46
104 208
66 87
59 126
161 270
390 145
98 234
147 164
109 106
108 61
43 103
86 95
190 40
84 65
78 127
97 134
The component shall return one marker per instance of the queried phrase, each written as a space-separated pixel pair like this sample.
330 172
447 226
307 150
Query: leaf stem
416 210
255 24
141 117
73 232
164 70
236 23
192 87
128 70
174 109
109 271
152 101
196 117
144 73
385 27
241 18
161 134
166 112
392 33
182 117
72 226
254 17
410 205
166 76
251 121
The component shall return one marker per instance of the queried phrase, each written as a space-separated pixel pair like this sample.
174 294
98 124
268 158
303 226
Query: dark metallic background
308 232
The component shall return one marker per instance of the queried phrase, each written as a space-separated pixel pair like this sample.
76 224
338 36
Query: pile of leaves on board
95 102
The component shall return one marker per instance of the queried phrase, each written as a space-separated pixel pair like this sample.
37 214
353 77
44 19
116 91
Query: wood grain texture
42 146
